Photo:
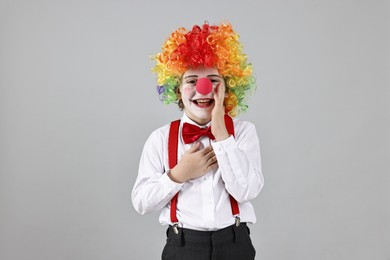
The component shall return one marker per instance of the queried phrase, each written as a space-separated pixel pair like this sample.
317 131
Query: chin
201 119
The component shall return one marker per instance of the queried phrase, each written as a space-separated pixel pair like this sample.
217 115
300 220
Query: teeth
203 100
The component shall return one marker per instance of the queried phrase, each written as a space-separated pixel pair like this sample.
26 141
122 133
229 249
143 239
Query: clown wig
208 46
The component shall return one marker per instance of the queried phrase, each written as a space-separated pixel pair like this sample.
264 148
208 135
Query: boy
203 170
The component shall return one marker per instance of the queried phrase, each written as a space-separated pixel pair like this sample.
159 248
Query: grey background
77 102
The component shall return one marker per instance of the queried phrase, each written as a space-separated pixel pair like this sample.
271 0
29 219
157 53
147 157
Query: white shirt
203 203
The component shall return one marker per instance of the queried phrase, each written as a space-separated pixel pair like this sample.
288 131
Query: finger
216 93
211 159
215 90
206 150
212 166
194 148
220 91
209 155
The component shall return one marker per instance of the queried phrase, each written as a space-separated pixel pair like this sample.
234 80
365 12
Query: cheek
188 92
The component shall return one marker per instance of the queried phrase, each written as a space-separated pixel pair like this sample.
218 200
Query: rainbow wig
208 46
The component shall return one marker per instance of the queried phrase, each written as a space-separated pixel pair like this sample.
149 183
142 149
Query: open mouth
203 103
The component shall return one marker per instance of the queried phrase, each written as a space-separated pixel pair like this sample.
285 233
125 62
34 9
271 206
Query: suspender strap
230 128
172 160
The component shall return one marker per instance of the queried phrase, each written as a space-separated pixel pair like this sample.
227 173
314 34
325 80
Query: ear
178 93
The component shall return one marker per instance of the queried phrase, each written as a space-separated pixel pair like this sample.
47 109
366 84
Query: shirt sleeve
153 189
239 161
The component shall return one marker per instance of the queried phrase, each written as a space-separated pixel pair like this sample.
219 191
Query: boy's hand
218 127
194 164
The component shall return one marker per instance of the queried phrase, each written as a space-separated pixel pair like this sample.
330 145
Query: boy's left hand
218 127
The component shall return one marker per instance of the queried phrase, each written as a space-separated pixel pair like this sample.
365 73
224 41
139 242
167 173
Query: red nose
204 86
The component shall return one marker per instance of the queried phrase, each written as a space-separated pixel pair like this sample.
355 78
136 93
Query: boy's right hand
195 163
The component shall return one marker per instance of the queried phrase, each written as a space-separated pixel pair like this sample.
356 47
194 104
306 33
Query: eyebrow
195 76
214 75
191 76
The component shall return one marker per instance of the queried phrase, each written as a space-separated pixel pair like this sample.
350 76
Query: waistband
231 233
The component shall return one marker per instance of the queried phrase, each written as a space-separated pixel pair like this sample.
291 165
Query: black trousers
230 243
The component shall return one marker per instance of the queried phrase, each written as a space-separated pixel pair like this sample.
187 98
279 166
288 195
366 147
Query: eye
191 81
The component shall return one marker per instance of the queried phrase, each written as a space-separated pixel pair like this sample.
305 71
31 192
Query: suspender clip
175 227
238 221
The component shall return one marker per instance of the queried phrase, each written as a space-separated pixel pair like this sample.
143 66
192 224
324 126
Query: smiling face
197 106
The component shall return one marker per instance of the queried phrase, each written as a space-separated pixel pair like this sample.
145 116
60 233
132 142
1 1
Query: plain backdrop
78 101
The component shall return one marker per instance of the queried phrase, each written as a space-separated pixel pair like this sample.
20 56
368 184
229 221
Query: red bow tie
191 133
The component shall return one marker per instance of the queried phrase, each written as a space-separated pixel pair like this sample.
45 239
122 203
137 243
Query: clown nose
204 86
